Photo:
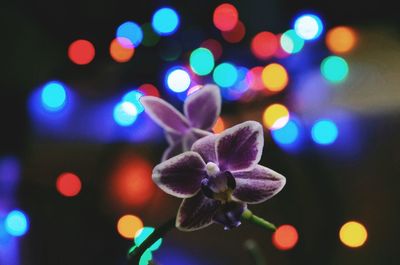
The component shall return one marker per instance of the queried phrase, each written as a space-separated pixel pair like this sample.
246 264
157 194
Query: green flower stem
135 254
249 216
255 252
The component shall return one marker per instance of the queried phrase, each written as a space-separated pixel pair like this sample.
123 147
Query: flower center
218 185
212 169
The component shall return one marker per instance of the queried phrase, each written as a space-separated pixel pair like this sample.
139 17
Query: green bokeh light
146 257
145 232
150 38
201 61
291 42
335 69
225 75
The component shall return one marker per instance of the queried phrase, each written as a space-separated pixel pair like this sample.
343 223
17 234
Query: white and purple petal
240 147
192 136
180 175
206 148
257 185
203 107
174 149
196 212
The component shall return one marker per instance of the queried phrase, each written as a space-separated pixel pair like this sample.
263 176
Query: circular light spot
236 34
178 80
353 234
225 17
170 50
214 46
274 77
341 39
286 135
291 42
254 80
275 116
201 61
165 21
149 90
121 50
68 184
285 237
225 75
134 98
219 126
16 223
308 27
129 225
81 52
125 113
324 132
131 31
264 45
53 96
144 233
334 69
150 38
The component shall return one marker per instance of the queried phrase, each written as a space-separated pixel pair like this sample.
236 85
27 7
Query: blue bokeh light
134 98
324 132
144 233
308 26
54 96
16 223
165 21
178 80
125 113
132 31
286 135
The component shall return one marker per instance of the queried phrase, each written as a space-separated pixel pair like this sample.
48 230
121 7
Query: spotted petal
257 185
203 107
180 175
206 148
165 115
196 212
240 147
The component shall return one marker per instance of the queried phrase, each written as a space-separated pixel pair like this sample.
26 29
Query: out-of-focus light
134 98
144 233
16 223
308 26
81 52
264 45
225 75
291 42
254 79
236 34
68 184
178 80
324 132
146 257
150 38
341 39
285 237
275 116
353 234
274 77
219 126
125 113
131 31
128 225
9 175
54 96
286 135
149 90
170 49
121 49
214 46
225 17
201 61
165 21
335 69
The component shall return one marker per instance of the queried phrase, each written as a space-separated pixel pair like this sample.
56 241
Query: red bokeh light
254 78
236 34
225 17
264 45
149 90
285 237
81 52
68 184
214 46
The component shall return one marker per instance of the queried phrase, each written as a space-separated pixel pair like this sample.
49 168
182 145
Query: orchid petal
192 136
206 148
173 150
180 175
240 147
257 185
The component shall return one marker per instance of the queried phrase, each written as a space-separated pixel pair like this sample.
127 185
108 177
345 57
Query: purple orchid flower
219 177
201 110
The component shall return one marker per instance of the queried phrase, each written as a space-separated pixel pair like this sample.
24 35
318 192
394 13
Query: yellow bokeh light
353 234
129 225
341 39
274 77
219 126
275 116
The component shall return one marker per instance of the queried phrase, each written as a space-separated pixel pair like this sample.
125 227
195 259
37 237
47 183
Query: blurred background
77 150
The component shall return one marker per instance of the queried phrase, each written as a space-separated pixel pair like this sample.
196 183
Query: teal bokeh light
291 42
334 69
225 75
201 61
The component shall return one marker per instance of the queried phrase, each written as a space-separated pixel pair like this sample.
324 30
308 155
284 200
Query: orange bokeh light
285 237
121 49
219 126
129 225
274 77
341 39
68 184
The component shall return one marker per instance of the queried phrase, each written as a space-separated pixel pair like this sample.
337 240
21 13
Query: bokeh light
334 69
128 225
236 34
225 75
214 46
68 184
131 31
134 98
341 39
264 45
253 78
201 61
285 237
225 17
275 116
291 42
219 126
286 135
16 223
149 90
144 233
308 26
150 37
170 49
353 234
54 96
324 132
165 21
81 52
274 77
121 49
178 80
125 113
